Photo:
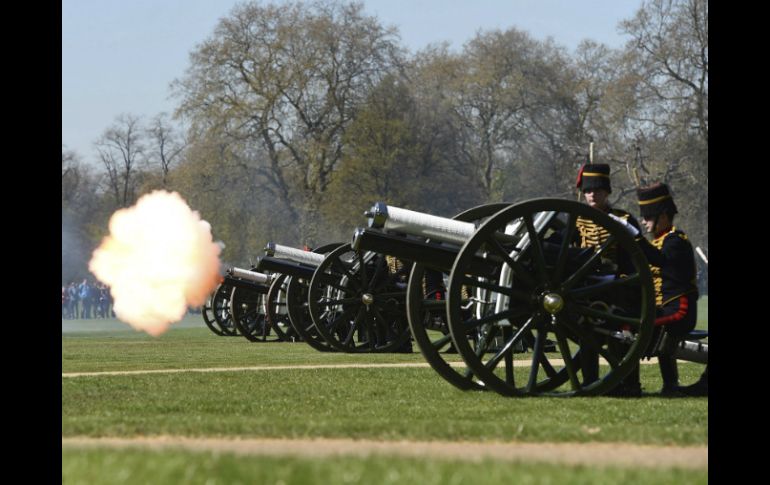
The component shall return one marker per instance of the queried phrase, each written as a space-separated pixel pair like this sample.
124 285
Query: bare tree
490 97
166 144
70 175
121 151
80 211
670 43
668 56
287 79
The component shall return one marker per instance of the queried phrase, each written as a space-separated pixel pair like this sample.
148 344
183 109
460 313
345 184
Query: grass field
407 403
135 466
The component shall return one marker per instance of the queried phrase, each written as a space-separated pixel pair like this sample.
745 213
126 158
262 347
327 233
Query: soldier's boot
451 349
670 374
589 363
406 347
630 386
700 388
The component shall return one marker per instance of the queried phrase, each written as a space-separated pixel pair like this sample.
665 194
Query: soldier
73 296
104 300
594 182
64 303
84 292
672 262
398 278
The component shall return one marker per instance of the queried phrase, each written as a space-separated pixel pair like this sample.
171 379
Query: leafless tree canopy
292 119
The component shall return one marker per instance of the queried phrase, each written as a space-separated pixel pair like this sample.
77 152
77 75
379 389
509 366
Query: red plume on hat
580 176
594 176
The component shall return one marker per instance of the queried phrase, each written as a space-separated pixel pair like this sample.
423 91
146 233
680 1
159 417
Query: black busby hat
594 176
655 199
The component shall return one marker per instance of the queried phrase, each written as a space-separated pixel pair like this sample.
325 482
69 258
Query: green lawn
194 348
93 467
371 403
108 345
366 403
387 403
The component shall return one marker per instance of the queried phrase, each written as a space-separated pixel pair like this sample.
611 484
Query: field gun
505 287
248 304
216 311
517 284
287 299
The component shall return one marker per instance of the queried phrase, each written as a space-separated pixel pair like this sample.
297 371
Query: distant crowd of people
86 300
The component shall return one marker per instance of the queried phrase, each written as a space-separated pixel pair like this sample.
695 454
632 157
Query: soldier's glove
629 228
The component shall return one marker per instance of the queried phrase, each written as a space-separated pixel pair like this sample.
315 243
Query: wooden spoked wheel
358 304
426 309
277 313
220 307
522 276
207 311
248 309
299 315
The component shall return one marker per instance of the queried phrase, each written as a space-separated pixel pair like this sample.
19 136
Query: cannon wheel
424 313
247 306
353 297
296 298
220 307
207 311
276 311
551 292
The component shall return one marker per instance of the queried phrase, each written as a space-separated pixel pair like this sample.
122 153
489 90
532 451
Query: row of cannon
506 287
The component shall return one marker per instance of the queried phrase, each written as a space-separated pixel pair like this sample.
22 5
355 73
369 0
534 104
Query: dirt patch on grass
589 454
516 363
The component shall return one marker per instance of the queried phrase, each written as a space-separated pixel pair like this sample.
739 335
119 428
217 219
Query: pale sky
119 56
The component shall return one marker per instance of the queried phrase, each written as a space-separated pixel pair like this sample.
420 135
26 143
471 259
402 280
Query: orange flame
158 259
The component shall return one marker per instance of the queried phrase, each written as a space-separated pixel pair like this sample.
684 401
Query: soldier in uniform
593 180
398 279
672 262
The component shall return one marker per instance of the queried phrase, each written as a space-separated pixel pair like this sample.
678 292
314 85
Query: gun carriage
432 244
216 311
523 301
357 301
297 268
506 288
248 305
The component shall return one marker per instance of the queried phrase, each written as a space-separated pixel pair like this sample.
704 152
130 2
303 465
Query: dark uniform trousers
672 262
590 234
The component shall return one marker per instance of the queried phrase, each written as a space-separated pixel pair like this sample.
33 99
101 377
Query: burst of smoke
158 259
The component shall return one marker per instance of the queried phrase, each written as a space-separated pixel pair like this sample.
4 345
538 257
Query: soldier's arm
674 249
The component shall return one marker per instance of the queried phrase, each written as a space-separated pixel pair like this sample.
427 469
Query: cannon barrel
392 218
692 351
430 254
402 221
433 256
250 275
233 281
398 220
297 255
285 267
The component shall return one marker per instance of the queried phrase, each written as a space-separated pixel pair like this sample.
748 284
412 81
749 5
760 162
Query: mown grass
88 466
382 403
403 403
194 348
189 346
